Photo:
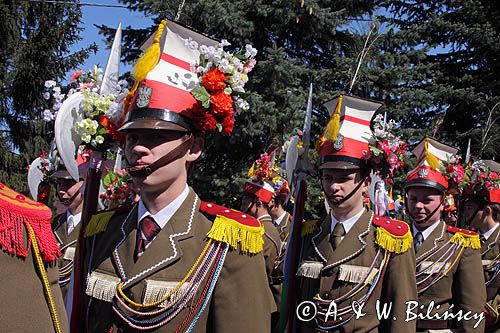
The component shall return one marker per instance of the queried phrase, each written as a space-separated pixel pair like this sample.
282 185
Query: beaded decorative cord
369 278
494 267
65 274
149 317
449 258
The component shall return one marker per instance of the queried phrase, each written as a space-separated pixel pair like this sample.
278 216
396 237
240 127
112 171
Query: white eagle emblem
144 96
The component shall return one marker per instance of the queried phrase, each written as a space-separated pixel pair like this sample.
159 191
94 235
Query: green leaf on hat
108 179
219 127
202 95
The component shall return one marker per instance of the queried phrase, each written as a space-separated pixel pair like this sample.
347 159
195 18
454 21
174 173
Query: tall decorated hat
186 81
484 181
348 141
346 137
435 167
266 179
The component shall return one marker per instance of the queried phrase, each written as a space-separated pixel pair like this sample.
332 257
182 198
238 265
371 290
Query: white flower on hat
224 43
50 83
47 115
203 49
192 44
46 95
250 51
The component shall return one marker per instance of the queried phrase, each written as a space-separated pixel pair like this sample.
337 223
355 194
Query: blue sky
92 15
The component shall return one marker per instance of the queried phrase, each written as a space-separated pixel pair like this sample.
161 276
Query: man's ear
488 211
195 149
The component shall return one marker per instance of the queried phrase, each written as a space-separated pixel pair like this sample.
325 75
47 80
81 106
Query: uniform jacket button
326 295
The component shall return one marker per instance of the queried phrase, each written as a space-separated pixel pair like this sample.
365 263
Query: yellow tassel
333 127
432 160
226 230
321 141
98 223
309 227
146 63
464 240
393 243
251 171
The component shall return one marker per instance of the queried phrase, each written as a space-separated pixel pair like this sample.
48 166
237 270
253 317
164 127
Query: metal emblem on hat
144 96
339 142
422 173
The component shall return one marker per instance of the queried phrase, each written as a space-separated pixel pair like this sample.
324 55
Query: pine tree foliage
34 46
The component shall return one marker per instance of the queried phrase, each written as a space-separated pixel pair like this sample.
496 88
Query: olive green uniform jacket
331 274
461 286
490 255
23 306
67 244
240 302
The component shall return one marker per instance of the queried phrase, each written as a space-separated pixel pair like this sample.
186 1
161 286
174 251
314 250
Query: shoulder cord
45 280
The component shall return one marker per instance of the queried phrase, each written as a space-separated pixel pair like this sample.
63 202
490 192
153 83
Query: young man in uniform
258 193
173 262
482 212
29 286
354 263
449 273
66 226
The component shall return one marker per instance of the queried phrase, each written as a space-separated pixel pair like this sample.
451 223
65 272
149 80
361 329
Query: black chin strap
428 216
168 158
347 197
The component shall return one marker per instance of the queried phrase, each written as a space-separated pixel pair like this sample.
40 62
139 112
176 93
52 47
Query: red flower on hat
206 122
214 80
222 103
493 175
228 125
111 129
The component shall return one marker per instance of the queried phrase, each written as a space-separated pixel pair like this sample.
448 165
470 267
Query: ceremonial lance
299 183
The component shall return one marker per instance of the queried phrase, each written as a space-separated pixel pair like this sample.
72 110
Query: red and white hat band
262 190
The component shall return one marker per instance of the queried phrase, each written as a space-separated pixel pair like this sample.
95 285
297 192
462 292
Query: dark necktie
338 233
148 229
418 241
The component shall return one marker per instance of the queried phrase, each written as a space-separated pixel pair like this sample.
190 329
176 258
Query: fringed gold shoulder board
463 237
392 235
308 227
234 228
99 222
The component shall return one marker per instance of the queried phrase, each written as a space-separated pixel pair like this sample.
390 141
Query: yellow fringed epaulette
465 238
234 228
392 235
308 227
98 223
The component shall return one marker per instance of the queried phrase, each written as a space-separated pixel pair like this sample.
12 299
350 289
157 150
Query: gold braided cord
45 280
173 291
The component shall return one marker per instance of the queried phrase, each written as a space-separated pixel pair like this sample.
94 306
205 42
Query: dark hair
495 208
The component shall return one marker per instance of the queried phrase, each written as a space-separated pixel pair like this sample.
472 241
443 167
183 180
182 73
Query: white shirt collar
347 223
75 221
166 213
488 233
427 231
280 218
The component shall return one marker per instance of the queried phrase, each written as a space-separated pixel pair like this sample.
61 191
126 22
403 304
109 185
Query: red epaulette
392 235
463 237
453 229
214 210
235 228
395 227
